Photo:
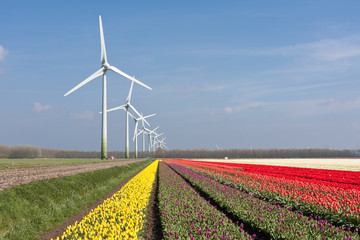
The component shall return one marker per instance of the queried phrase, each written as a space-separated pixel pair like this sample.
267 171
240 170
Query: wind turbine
144 131
150 133
162 143
105 66
156 140
136 133
126 107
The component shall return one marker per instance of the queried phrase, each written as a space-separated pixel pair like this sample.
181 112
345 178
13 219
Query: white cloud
38 107
89 115
3 52
326 55
316 107
228 110
323 50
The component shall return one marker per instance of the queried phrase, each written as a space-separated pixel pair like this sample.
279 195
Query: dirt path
14 177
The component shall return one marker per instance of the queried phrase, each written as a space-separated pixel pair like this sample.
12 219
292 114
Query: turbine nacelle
106 66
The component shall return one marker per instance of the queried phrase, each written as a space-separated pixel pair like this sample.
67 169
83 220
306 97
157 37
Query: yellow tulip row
120 216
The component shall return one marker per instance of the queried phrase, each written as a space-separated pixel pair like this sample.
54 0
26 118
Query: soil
14 177
153 229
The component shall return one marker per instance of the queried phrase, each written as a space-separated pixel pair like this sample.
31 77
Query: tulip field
212 200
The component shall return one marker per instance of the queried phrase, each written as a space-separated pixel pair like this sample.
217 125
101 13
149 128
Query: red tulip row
336 178
305 191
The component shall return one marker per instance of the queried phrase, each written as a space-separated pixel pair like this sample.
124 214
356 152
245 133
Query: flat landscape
192 120
183 199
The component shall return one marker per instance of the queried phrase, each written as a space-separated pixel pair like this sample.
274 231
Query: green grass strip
28 211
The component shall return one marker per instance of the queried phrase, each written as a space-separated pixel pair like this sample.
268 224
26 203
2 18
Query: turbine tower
102 71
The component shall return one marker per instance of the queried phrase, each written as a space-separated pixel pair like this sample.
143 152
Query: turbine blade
132 107
144 119
117 108
136 124
151 115
130 92
132 116
103 49
128 77
95 75
146 122
153 131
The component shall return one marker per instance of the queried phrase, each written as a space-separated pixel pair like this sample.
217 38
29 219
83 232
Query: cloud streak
240 108
316 107
38 107
88 115
323 50
3 52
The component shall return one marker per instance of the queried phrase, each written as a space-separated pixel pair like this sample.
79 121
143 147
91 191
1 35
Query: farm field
40 169
349 164
7 164
280 202
185 199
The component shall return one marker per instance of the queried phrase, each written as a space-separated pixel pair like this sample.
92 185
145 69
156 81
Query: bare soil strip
153 228
14 177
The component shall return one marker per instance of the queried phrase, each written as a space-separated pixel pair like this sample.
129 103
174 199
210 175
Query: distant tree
24 151
4 151
256 153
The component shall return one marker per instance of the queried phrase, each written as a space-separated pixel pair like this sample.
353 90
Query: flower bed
122 215
304 192
279 222
186 215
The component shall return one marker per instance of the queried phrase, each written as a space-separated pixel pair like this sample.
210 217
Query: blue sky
239 74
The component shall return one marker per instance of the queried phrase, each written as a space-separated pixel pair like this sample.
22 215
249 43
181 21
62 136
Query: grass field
28 163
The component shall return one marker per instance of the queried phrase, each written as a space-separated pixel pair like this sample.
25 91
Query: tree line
258 153
25 151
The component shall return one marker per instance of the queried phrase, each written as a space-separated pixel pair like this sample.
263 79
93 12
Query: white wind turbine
162 143
102 71
126 107
150 133
136 133
144 131
156 141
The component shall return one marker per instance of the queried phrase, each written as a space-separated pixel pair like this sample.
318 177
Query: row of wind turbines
153 137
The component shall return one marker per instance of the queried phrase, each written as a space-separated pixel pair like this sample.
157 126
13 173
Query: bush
25 152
